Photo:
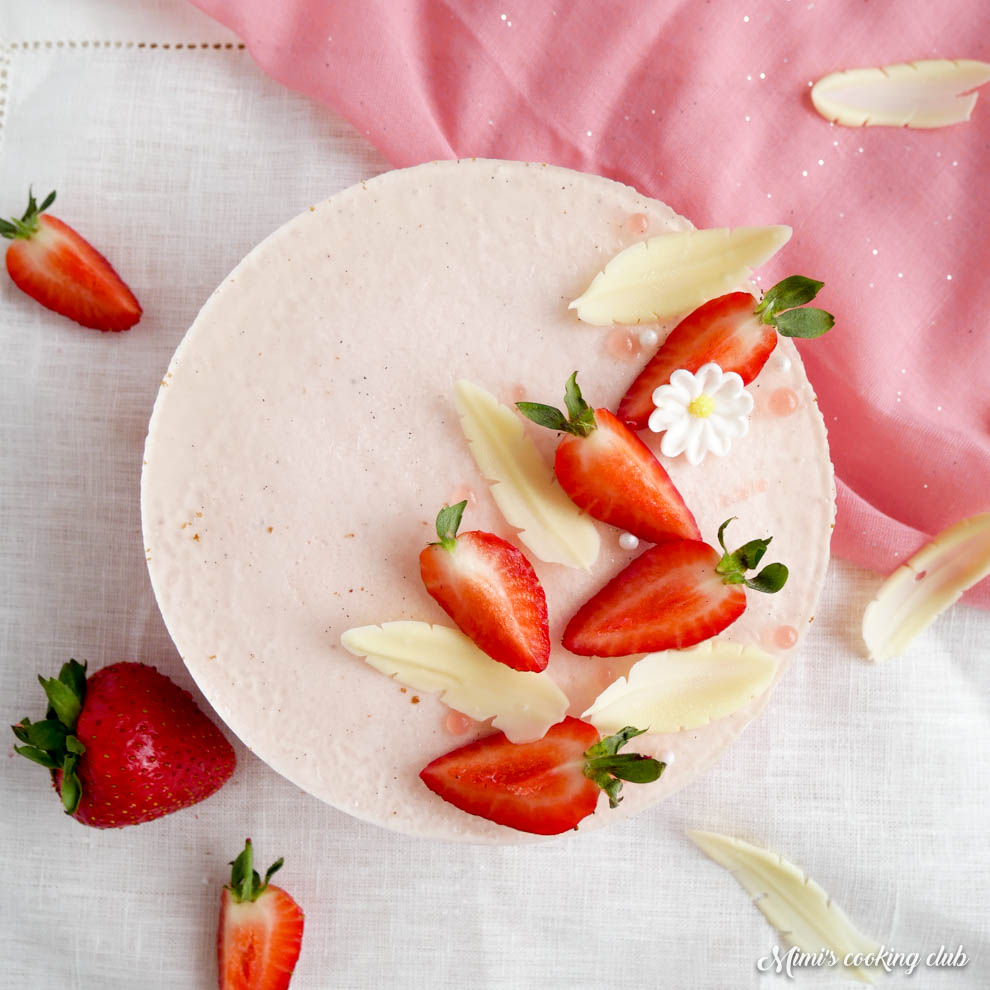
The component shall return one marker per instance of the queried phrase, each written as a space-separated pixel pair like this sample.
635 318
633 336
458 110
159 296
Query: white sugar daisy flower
701 413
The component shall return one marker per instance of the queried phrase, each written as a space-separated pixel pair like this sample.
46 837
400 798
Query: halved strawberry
490 590
609 472
672 596
57 267
260 930
545 787
735 332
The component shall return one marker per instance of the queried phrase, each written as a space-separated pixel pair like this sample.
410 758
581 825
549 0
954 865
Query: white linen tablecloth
174 154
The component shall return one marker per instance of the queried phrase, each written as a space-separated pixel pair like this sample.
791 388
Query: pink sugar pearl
637 223
783 402
623 344
457 723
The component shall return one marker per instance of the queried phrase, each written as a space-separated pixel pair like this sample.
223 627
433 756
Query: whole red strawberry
64 272
125 746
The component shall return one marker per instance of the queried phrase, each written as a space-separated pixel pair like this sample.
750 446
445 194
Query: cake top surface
306 434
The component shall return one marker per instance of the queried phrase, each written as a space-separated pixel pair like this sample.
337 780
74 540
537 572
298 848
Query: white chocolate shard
683 689
925 94
675 273
800 910
523 484
440 659
919 591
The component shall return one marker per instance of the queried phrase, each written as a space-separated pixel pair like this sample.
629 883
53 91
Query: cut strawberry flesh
258 941
492 593
615 477
537 787
65 273
724 331
668 598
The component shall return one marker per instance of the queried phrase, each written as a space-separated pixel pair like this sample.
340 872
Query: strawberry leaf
448 522
37 756
48 734
770 580
71 786
805 323
63 701
548 416
73 675
73 745
273 869
796 290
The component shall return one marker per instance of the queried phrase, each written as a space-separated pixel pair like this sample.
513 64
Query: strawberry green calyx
51 743
734 564
580 419
245 883
779 308
607 767
448 522
27 226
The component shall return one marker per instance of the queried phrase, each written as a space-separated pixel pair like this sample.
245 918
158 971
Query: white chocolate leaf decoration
919 591
675 273
925 94
437 658
790 900
523 484
683 689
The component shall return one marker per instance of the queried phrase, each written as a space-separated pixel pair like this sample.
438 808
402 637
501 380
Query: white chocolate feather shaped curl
925 94
675 273
919 591
790 900
437 658
523 484
683 689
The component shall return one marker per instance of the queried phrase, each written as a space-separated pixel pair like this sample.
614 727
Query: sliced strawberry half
609 472
672 596
260 930
65 273
735 331
544 787
490 590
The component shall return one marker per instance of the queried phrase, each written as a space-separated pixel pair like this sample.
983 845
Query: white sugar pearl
666 757
648 338
783 362
628 542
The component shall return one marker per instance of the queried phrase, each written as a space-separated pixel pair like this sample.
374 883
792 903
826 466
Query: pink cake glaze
306 438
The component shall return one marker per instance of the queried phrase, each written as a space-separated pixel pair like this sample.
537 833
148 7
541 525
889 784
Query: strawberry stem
27 226
580 419
245 883
734 564
607 767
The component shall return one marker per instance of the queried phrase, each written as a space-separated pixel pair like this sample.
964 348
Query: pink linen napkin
706 106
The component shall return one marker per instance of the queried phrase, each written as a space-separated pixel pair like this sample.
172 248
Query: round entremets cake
305 437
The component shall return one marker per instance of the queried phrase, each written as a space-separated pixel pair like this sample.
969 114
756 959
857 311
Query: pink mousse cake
306 435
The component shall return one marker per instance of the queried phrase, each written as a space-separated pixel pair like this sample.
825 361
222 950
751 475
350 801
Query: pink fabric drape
706 106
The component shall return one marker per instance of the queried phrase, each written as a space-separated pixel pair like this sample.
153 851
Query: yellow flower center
702 407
